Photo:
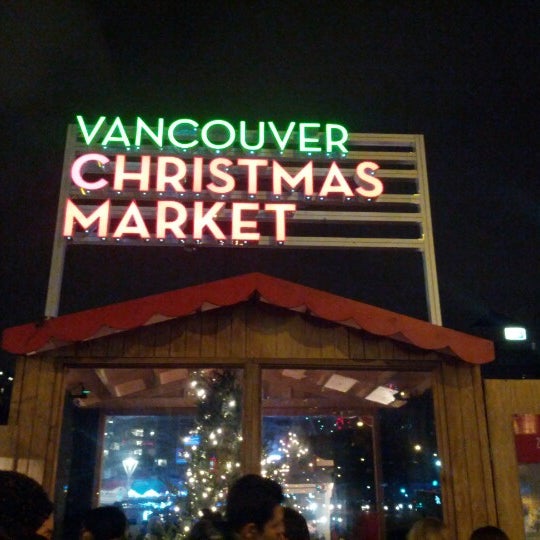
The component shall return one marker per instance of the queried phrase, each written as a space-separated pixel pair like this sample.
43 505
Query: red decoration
528 448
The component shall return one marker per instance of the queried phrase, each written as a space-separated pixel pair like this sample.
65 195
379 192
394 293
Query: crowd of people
254 511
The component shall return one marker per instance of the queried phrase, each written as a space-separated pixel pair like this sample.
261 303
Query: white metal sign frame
405 202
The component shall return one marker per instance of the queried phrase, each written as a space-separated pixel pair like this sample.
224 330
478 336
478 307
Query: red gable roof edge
93 323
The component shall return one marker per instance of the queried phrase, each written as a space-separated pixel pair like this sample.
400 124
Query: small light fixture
80 392
515 333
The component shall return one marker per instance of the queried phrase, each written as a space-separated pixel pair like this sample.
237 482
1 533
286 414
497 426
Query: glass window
355 450
163 464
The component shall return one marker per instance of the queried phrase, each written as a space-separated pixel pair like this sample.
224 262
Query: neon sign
186 133
132 184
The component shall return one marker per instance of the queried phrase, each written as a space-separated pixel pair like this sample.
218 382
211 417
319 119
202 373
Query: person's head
429 528
209 527
489 532
104 523
25 508
295 525
254 508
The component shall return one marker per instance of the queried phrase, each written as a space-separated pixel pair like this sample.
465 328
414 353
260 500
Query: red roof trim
84 325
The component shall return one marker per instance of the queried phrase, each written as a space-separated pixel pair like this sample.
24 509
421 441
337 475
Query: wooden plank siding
467 484
246 331
255 336
35 418
505 398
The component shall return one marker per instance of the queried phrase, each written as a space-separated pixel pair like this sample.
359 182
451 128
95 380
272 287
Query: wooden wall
466 478
251 330
35 419
503 399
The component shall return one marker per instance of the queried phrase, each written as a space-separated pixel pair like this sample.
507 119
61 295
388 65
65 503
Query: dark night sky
466 77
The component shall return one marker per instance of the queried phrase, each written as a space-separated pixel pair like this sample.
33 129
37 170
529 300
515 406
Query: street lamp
129 464
515 333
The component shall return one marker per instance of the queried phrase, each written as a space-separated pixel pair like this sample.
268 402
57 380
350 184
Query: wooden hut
259 324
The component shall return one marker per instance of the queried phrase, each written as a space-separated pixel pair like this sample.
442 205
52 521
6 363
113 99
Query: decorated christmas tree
213 457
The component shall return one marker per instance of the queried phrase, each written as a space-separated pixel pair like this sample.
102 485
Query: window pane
354 450
169 452
325 466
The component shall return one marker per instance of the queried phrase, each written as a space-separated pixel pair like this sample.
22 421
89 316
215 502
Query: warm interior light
515 333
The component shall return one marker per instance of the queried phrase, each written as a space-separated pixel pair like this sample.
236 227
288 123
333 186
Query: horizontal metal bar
298 216
265 242
126 195
263 172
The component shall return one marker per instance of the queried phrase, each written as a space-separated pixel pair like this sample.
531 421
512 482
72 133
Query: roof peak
131 314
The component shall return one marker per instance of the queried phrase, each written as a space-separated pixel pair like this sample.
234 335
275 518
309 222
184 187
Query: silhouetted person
155 529
104 523
254 510
26 512
211 526
489 532
295 525
429 528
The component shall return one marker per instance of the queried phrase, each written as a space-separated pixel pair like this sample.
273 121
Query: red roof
94 323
